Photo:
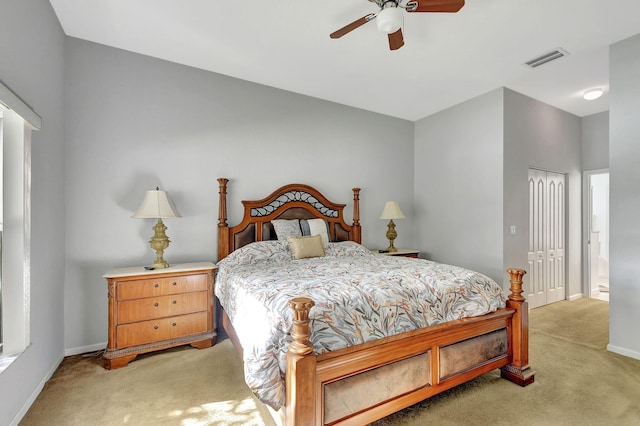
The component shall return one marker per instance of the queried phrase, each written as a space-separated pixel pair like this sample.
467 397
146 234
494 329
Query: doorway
597 235
546 252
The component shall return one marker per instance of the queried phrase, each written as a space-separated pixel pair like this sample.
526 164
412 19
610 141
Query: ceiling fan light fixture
389 19
592 94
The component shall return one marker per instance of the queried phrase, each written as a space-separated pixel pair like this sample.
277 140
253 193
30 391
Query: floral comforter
359 296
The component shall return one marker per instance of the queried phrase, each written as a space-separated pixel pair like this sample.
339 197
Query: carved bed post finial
516 284
518 371
222 208
223 228
356 206
300 332
356 216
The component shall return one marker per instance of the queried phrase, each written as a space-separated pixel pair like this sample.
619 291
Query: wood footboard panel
353 394
471 353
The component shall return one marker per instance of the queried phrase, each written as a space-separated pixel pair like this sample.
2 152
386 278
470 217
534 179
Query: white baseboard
575 297
623 351
23 411
85 349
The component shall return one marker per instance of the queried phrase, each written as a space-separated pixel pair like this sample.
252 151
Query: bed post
301 405
357 230
518 371
223 228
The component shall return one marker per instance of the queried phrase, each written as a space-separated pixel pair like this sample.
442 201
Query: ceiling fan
389 18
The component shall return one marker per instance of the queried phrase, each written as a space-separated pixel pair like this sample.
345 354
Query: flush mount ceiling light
592 94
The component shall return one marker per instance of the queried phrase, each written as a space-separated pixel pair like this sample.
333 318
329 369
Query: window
1 209
16 122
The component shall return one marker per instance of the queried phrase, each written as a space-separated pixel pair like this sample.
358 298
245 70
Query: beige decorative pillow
304 247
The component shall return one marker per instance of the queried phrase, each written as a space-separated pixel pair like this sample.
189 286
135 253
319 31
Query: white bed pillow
316 227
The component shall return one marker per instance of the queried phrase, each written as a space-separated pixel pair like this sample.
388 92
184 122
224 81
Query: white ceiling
446 59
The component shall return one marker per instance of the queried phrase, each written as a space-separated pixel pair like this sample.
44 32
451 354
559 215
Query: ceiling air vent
546 57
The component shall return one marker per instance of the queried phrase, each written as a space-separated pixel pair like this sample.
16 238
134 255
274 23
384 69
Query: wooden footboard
360 384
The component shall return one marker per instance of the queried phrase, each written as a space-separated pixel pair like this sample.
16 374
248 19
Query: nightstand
401 252
159 309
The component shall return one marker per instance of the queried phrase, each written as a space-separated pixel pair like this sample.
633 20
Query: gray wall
541 136
624 152
458 185
595 141
471 170
134 122
31 65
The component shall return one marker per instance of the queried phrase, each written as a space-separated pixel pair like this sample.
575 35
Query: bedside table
159 309
401 252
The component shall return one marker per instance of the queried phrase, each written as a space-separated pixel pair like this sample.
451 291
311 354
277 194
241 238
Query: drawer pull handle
155 304
156 285
174 324
174 283
174 302
155 327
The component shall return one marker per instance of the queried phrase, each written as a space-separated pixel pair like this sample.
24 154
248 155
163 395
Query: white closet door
536 294
556 240
546 259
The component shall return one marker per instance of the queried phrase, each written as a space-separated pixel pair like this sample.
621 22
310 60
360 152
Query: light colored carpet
577 383
180 386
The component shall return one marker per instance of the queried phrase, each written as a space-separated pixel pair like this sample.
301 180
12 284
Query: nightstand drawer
161 286
161 329
163 306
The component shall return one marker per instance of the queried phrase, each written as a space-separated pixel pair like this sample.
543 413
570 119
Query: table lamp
391 211
157 205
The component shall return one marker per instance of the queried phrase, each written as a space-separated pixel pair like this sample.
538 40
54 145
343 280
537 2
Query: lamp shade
389 20
391 211
156 205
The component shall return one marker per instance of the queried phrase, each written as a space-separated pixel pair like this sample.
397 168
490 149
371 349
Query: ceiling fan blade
396 41
448 6
352 26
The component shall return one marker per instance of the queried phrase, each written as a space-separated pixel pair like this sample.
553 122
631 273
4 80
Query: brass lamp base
391 236
159 242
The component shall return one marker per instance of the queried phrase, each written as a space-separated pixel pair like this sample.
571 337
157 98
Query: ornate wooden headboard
295 201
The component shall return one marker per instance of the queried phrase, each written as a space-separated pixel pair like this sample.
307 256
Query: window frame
17 120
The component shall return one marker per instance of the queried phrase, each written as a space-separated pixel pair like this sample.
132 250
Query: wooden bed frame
363 383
